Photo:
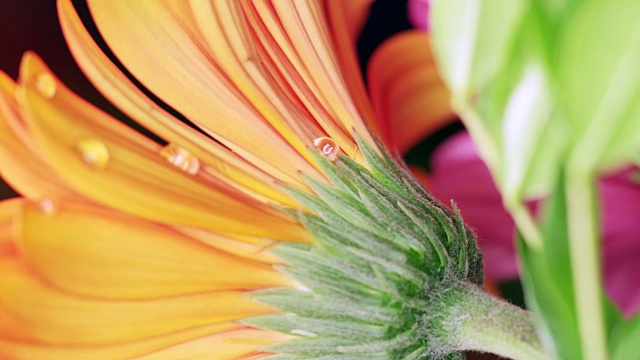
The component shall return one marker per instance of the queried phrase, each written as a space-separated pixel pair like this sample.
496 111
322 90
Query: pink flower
419 13
458 173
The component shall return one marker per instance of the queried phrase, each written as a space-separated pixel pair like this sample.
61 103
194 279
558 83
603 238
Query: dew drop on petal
327 147
94 153
181 158
47 206
46 85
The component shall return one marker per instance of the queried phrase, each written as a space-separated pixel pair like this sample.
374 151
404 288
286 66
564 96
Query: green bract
387 253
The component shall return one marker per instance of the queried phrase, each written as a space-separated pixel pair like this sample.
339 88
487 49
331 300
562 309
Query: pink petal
419 13
620 195
458 173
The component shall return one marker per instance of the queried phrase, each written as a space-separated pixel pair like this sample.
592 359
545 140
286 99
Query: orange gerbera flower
122 247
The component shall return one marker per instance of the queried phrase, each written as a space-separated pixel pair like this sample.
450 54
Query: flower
407 93
418 13
126 247
459 173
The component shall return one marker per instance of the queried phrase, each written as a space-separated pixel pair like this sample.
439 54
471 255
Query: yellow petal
248 247
109 162
98 252
224 29
346 19
408 96
221 163
418 105
154 41
12 349
234 344
51 316
295 37
355 13
35 181
9 210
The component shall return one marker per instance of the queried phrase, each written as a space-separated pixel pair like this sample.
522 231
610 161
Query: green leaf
600 80
518 110
557 11
548 282
472 39
625 340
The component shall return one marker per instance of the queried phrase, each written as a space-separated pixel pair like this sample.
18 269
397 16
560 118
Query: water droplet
47 206
94 153
328 147
46 85
181 158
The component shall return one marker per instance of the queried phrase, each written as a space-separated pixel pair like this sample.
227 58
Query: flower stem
469 319
585 261
481 136
490 155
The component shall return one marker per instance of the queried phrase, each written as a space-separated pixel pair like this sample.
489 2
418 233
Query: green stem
525 223
481 136
490 154
585 261
468 319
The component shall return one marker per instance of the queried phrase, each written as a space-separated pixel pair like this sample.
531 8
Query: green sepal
307 303
383 205
339 238
421 218
336 177
379 356
313 346
353 269
384 247
417 354
295 324
347 207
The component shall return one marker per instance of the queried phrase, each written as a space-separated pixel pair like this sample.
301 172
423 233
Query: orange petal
418 105
295 38
23 350
224 29
221 163
98 252
355 16
111 163
234 344
51 316
156 42
346 19
408 95
423 177
306 25
279 51
35 180
9 210
248 247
